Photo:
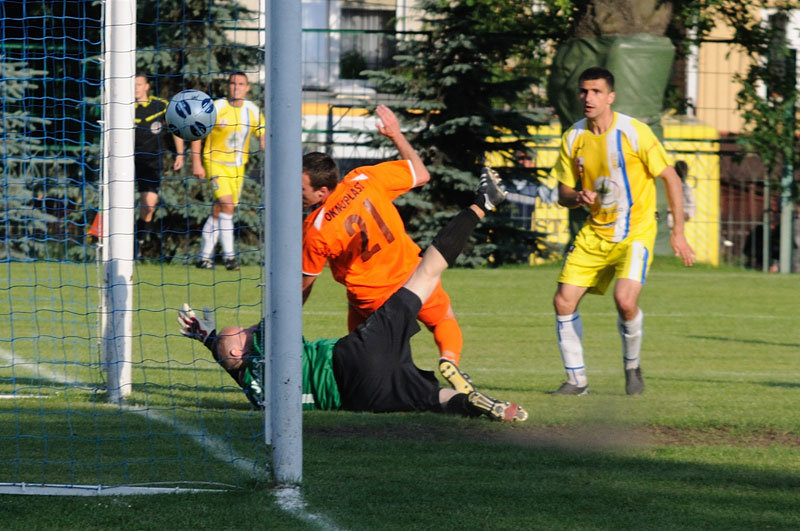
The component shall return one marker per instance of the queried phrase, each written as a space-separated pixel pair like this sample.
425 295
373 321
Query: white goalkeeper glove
203 329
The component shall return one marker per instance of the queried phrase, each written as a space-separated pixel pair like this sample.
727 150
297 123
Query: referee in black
149 147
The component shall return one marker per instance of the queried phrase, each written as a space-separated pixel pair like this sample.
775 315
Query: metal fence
735 204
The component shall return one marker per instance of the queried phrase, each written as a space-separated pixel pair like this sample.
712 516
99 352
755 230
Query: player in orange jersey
358 231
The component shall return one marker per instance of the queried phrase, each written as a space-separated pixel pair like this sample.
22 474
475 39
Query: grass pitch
713 442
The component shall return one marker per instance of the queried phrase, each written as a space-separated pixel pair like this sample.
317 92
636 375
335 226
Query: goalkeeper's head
235 345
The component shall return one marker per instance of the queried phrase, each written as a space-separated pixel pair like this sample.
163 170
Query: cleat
458 380
571 389
204 263
634 383
231 264
490 191
497 409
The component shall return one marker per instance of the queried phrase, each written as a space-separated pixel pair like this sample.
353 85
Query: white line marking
288 499
673 315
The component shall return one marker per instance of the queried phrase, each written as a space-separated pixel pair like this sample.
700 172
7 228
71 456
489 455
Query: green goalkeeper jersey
320 390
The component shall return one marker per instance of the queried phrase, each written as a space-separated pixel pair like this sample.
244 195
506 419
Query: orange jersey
359 232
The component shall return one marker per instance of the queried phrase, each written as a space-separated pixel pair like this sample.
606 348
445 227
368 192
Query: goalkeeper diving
371 368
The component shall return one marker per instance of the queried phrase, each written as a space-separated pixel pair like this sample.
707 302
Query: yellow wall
717 63
696 143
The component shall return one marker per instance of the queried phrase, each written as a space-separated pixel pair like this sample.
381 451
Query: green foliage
768 95
185 204
187 44
23 227
351 65
465 90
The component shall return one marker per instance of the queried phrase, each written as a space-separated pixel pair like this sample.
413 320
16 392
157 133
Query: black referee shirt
150 130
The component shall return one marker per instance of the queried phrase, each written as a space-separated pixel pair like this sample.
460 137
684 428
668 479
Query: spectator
689 205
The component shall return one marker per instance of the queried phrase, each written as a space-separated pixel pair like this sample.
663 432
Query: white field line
671 315
288 499
217 449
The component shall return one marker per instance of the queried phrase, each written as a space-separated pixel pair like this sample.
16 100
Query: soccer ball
191 114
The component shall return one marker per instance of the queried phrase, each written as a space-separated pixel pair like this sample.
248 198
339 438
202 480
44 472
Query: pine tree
187 44
465 89
22 226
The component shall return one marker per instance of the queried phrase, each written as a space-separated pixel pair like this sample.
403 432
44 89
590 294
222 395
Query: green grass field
713 443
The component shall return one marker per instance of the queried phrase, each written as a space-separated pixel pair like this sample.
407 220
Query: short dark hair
238 73
597 72
321 170
142 73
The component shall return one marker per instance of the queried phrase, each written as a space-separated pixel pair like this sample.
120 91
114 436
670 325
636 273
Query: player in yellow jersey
224 156
608 164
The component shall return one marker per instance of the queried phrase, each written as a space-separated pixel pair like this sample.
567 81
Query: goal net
99 392
179 420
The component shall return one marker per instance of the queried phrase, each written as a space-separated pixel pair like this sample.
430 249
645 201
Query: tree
768 102
465 90
186 44
20 222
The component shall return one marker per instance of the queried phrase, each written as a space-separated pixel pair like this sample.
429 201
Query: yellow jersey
620 165
229 141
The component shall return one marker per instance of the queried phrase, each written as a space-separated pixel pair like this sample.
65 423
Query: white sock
631 333
210 237
226 234
570 333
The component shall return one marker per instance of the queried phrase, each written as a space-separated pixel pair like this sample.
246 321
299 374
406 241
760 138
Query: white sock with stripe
570 335
226 234
210 237
631 333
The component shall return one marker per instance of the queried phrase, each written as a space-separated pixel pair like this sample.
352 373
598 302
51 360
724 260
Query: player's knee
562 305
627 307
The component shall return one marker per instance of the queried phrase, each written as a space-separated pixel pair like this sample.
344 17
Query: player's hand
586 197
178 164
199 328
682 249
198 171
389 125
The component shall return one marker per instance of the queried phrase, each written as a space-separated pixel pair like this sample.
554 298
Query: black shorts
148 176
373 365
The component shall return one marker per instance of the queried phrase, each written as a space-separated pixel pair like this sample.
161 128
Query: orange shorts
431 313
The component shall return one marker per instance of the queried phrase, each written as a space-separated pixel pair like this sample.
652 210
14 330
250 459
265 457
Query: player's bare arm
389 126
571 198
308 283
197 159
179 153
677 239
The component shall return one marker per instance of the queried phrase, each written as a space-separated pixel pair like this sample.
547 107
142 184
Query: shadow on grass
406 472
727 339
785 385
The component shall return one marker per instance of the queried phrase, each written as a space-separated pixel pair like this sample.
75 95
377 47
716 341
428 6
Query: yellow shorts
226 180
594 262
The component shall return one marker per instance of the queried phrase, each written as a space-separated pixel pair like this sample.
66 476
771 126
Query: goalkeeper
370 369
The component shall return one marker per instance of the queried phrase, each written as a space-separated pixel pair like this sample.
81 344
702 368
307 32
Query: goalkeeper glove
203 329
